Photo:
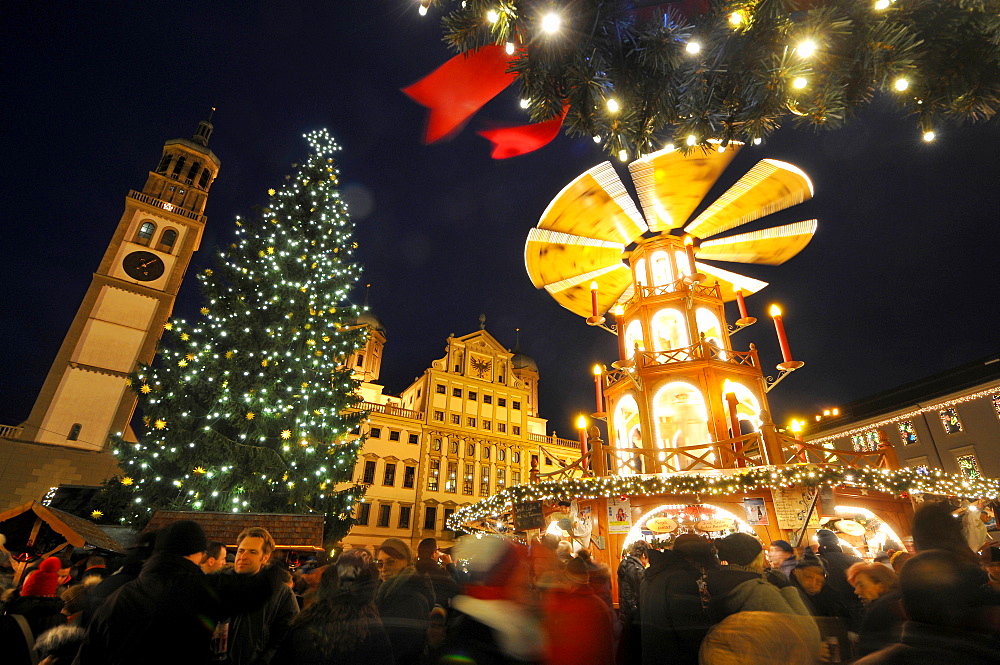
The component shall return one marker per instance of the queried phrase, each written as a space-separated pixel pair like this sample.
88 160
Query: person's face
214 561
776 555
868 589
994 570
810 579
250 557
388 565
64 575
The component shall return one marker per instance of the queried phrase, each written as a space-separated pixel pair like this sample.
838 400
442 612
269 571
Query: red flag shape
457 89
514 141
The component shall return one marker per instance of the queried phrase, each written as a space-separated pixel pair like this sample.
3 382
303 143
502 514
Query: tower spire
204 131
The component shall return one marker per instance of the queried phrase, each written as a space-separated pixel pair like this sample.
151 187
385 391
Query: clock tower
85 397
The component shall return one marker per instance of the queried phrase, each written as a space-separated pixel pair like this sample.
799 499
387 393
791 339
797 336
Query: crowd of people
178 598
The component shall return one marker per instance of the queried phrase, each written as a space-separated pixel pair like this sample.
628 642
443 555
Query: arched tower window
669 331
203 180
167 240
681 421
708 325
164 164
640 272
178 166
628 434
145 234
747 406
74 432
662 274
193 171
633 335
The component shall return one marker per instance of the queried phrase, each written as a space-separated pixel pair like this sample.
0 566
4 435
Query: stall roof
290 532
18 523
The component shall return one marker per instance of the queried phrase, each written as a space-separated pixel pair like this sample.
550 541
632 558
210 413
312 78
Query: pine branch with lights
637 75
249 409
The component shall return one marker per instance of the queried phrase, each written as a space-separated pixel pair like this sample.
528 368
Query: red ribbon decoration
457 89
514 141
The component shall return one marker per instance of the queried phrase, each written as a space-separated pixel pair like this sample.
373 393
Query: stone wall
28 470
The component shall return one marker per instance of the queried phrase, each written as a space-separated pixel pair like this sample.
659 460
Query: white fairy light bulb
613 105
509 48
692 139
736 19
597 138
757 140
928 136
800 83
622 155
882 4
423 10
807 48
693 47
901 84
551 23
525 103
492 16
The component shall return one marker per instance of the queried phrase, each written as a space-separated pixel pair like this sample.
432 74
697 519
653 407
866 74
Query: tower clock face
143 266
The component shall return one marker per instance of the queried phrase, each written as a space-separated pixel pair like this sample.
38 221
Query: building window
439 415
404 517
548 461
178 166
203 180
394 435
389 476
451 482
502 401
432 477
369 475
484 481
487 424
164 163
501 454
515 457
473 395
969 466
502 428
447 514
918 464
436 445
472 422
468 478
470 450
360 362
409 475
486 452
384 513
516 406
949 418
456 392
996 404
430 518
515 477
440 389
908 433
364 511
413 438
456 419
487 399
375 433
167 240
145 234
516 430
866 442
453 448
501 479
74 432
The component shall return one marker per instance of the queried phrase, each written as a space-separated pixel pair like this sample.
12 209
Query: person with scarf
491 621
342 624
404 600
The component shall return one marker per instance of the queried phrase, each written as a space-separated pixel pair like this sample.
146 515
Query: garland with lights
249 410
637 75
925 481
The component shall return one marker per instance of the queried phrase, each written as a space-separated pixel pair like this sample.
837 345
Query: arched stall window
640 272
662 272
633 336
628 434
681 421
747 406
708 325
669 331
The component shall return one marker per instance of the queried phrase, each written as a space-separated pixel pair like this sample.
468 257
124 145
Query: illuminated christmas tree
249 410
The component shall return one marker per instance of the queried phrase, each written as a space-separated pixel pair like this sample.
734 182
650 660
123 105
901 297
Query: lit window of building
908 433
950 421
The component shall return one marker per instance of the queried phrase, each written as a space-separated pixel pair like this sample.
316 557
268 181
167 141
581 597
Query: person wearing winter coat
404 600
31 611
630 572
439 570
837 562
876 586
579 626
135 557
781 556
342 624
491 622
673 610
168 614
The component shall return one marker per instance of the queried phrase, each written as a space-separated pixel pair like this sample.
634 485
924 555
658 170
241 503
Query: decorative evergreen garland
928 481
636 75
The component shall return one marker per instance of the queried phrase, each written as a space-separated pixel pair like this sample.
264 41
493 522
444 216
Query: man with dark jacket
837 563
943 598
404 600
253 636
437 571
168 614
630 572
135 558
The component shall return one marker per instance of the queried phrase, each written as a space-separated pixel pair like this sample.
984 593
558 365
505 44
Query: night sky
897 284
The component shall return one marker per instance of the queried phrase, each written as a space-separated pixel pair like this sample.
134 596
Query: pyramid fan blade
730 282
768 187
574 293
670 185
595 205
551 256
771 246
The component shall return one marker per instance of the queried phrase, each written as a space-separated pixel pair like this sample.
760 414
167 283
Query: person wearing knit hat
491 621
404 600
809 575
578 625
45 580
40 607
781 556
168 614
